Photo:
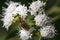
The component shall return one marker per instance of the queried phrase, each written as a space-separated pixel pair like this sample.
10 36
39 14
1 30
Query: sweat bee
21 22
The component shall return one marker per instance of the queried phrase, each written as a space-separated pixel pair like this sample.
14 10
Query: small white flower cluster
48 31
41 19
13 9
21 10
24 34
7 20
37 10
35 7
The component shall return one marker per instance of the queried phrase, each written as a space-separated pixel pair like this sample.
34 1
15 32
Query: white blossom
7 20
21 10
8 16
35 7
48 31
13 9
40 19
11 6
24 35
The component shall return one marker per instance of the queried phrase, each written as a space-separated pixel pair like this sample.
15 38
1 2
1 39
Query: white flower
40 19
21 10
24 35
8 15
35 7
11 6
13 9
48 31
7 20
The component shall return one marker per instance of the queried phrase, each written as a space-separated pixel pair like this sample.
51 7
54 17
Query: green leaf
30 20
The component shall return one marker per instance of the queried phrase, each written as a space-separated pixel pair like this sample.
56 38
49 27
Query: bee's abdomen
23 25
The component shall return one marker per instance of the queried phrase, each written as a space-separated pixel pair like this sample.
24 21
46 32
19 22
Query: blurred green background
52 9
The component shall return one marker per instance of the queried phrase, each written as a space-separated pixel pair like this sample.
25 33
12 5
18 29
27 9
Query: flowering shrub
30 21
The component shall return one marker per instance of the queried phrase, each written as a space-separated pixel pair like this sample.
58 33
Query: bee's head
16 18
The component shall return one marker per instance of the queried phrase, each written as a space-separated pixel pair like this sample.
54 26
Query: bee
21 22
